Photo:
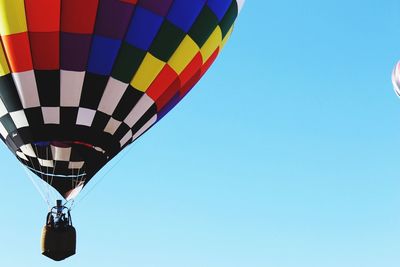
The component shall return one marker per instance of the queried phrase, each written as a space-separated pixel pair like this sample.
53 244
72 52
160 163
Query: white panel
126 138
21 155
99 149
240 4
19 119
74 193
138 110
61 153
76 164
28 150
3 131
145 127
71 83
46 163
85 116
3 110
112 95
27 89
51 115
112 126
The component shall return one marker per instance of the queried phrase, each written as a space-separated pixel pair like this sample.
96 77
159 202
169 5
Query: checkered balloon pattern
82 79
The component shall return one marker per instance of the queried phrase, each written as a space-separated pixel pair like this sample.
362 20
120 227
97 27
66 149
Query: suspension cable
29 174
104 175
41 190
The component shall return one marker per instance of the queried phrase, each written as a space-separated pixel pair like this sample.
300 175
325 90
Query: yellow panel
12 17
147 72
186 51
213 42
4 70
226 37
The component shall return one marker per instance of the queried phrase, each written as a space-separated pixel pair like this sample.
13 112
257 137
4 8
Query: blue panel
102 55
219 7
183 13
143 28
42 144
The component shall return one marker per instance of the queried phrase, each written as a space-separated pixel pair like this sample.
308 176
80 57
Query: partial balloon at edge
396 79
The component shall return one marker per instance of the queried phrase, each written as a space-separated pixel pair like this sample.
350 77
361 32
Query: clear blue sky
286 154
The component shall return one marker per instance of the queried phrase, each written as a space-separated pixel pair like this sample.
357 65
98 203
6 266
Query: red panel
197 76
189 84
166 77
209 62
78 16
168 94
83 144
130 1
45 50
43 15
191 68
18 51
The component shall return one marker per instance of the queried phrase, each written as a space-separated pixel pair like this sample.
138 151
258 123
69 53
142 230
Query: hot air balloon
82 80
396 79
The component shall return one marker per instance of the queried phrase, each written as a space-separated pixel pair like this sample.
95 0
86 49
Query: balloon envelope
396 79
82 79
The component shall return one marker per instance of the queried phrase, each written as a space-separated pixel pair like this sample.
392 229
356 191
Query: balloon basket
58 244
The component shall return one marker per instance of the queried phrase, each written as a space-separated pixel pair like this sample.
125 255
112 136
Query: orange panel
18 52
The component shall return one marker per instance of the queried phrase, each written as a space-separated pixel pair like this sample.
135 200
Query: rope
32 179
80 180
36 186
47 177
43 174
50 191
104 175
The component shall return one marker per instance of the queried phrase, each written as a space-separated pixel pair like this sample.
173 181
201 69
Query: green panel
203 26
229 18
167 41
127 63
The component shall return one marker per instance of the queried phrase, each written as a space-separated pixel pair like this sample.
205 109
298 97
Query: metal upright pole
59 206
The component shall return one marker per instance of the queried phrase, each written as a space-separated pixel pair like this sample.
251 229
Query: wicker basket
58 244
